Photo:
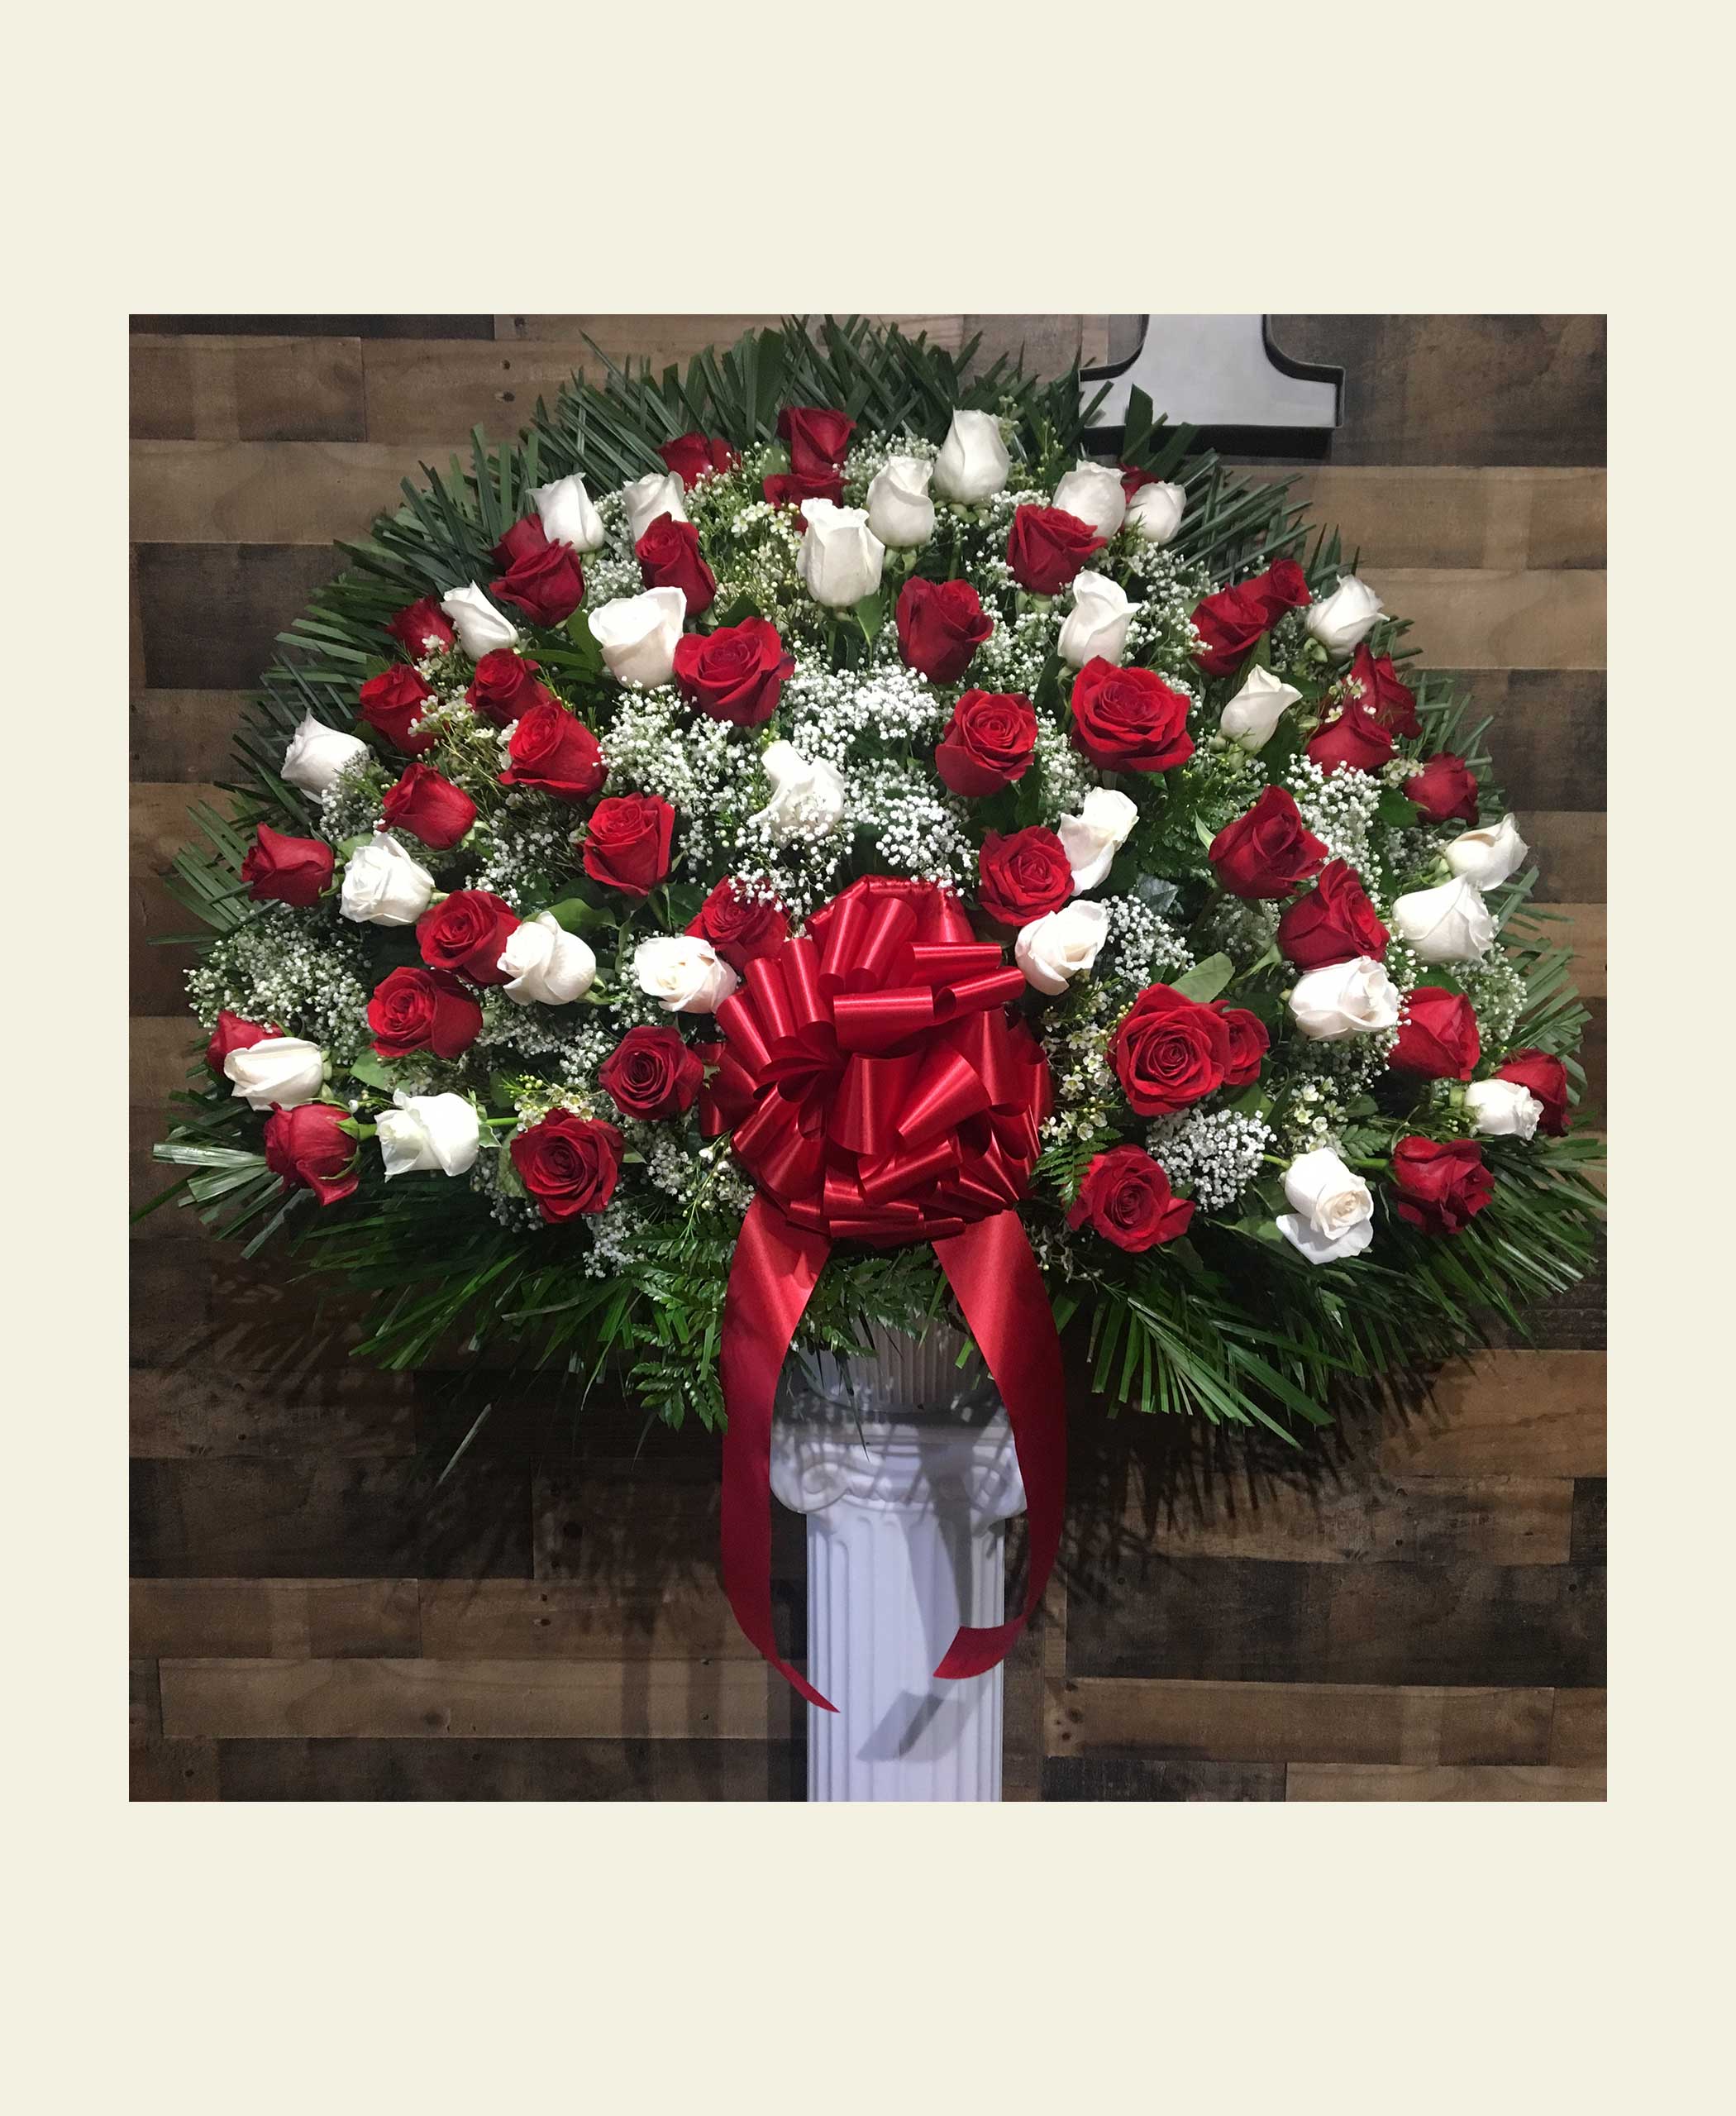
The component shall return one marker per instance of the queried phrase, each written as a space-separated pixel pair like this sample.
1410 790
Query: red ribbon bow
879 1092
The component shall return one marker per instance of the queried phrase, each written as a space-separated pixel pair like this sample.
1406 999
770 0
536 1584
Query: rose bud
740 927
546 964
1444 788
989 743
429 1131
1441 1184
1346 617
1061 945
735 673
840 558
1155 509
1439 1039
285 869
1544 1077
694 456
1129 719
652 1073
465 934
429 807
481 629
1501 1109
1092 492
1046 548
421 629
1096 629
1230 623
1448 923
941 624
638 635
505 688
817 439
658 492
1488 855
1249 1043
784 489
544 580
568 1163
1344 999
685 975
318 756
383 885
1331 1210
415 1009
232 1033
1334 923
554 751
567 515
1355 739
973 464
1267 852
1125 1196
1252 717
627 846
309 1147
900 512
285 1070
1023 875
1169 1051
1093 837
670 556
393 704
1393 704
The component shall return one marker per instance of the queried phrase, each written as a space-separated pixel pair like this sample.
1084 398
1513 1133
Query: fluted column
904 1466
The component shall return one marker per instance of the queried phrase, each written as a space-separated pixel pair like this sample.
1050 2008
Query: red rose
941 624
1249 1043
1334 923
429 807
784 489
1129 719
818 439
414 626
466 933
1133 479
552 749
232 1033
692 456
670 556
392 700
1169 1051
568 1163
651 1072
989 743
740 928
1282 586
543 580
1230 624
1442 1185
1444 788
1439 1040
415 1009
628 845
1547 1078
287 870
1356 739
735 673
1126 1198
526 539
1022 876
505 686
1046 546
1269 852
1393 704
309 1147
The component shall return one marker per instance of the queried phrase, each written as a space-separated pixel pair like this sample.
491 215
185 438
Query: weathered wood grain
175 1770
1503 520
1520 1413
286 1411
1138 1778
1549 739
496 1769
1443 1782
1570 847
207 388
210 613
1580 1731
275 1619
567 1619
1493 620
183 736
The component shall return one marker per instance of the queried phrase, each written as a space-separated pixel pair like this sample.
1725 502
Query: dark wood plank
510 1771
183 736
1571 848
1126 1778
317 327
1443 1782
1527 519
210 613
1591 1526
175 1770
245 388
280 1619
1580 1732
355 1413
1550 735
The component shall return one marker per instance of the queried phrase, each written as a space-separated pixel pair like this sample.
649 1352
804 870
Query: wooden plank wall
1414 1612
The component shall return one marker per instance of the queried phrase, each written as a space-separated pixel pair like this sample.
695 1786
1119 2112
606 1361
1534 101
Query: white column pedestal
904 1466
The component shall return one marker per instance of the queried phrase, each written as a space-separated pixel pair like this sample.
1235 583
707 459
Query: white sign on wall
1218 371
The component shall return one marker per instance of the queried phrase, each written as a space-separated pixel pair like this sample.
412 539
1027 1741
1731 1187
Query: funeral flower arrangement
818 779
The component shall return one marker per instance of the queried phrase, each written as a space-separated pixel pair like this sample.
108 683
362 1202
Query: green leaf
372 1071
1206 979
578 916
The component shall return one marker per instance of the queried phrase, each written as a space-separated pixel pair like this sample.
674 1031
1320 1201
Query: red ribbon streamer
879 1093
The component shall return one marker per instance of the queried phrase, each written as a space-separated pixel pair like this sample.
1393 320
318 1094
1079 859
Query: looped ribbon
877 1091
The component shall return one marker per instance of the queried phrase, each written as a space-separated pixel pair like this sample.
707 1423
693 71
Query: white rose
1346 618
1448 923
567 515
1345 999
318 756
383 886
1252 715
1155 511
840 557
638 635
1093 494
804 796
429 1131
1092 838
1490 855
1333 1213
1501 1109
658 492
287 1070
900 512
1097 624
685 973
480 627
544 962
1064 944
973 462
